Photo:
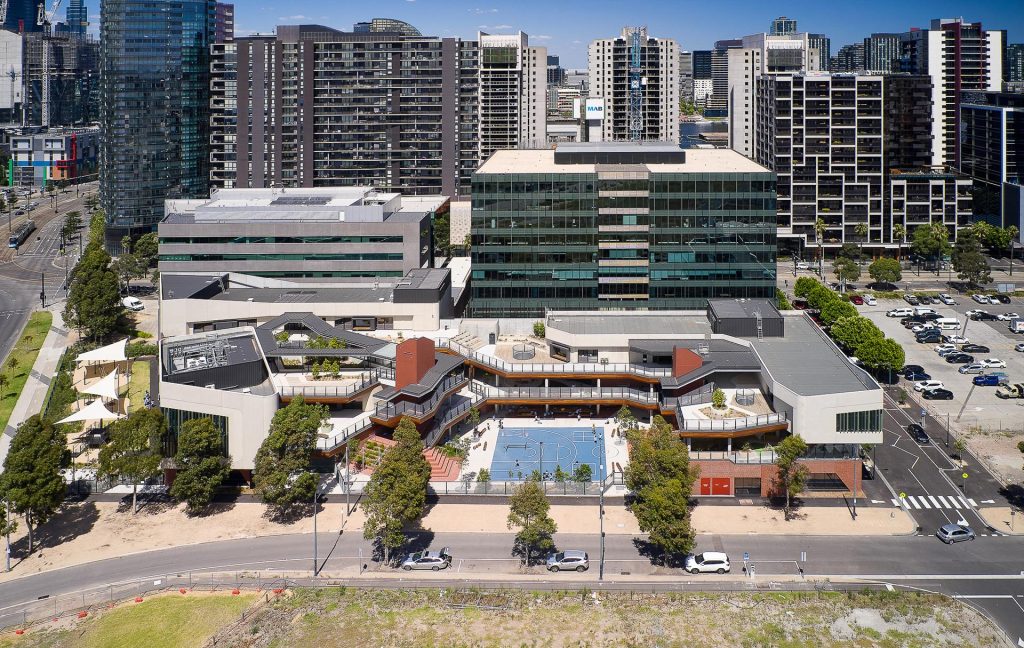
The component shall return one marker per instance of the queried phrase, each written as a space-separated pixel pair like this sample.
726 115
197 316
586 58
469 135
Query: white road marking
913 501
924 502
934 501
942 499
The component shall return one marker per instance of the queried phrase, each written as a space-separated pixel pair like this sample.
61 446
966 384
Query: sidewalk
32 396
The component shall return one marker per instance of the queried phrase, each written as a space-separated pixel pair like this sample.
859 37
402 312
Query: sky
566 26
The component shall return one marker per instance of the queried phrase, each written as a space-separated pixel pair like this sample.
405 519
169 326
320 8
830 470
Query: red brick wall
413 359
847 470
684 361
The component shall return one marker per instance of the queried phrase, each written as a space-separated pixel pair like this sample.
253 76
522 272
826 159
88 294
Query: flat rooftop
632 323
743 308
807 362
696 161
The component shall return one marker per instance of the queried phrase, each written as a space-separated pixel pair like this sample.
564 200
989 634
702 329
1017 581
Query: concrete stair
468 340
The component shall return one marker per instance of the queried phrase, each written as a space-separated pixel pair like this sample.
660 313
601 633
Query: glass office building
619 227
154 110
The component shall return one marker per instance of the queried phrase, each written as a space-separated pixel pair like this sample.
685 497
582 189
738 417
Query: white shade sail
95 411
105 387
111 353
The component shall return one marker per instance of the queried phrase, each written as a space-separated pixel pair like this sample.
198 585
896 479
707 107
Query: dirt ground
90 531
998 449
586 619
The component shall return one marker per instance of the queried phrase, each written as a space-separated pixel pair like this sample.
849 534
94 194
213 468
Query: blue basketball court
520 451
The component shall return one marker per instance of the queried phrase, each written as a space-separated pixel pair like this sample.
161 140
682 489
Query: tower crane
45 19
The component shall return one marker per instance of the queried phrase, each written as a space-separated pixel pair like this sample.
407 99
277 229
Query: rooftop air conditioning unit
211 386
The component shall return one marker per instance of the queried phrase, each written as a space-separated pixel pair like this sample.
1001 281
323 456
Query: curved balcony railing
388 411
578 369
329 391
342 436
731 425
701 396
566 393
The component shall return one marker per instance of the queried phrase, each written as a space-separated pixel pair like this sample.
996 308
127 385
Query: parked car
946 299
992 299
1006 317
929 336
911 299
900 312
972 368
974 348
911 368
993 363
857 300
971 313
916 376
707 562
981 299
569 560
870 300
928 384
950 533
917 328
1019 348
917 433
947 352
132 303
983 316
938 394
991 380
432 560
800 304
959 358
959 339
946 346
803 265
1003 299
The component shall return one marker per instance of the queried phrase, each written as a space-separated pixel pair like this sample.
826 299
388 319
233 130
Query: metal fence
568 368
406 408
566 393
729 425
328 391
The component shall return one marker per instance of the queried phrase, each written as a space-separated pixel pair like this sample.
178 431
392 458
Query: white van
947 323
924 311
132 303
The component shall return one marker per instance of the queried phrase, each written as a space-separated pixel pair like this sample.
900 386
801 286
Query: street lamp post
600 568
542 461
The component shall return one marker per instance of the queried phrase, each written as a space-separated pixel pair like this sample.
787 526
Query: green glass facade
619 240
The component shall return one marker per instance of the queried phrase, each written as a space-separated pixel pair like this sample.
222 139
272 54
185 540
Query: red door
705 485
721 486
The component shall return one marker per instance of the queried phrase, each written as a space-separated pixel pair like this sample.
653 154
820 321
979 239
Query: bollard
83 614
19 632
138 599
235 592
182 590
278 590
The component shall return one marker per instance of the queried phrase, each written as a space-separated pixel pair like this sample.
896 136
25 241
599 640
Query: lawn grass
139 383
25 351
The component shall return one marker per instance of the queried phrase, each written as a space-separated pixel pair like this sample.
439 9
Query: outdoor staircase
442 468
468 340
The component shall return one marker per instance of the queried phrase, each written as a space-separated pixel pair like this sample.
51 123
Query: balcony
568 395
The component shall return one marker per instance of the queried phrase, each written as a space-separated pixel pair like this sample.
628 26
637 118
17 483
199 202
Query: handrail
406 408
344 435
448 418
729 425
572 368
326 391
626 393
699 397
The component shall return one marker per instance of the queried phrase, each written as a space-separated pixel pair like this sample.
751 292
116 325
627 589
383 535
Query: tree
846 270
128 267
12 364
625 421
133 451
528 509
397 491
718 399
202 466
782 301
881 354
835 309
819 236
885 270
861 230
474 417
538 329
583 473
4 381
442 233
851 332
899 237
146 249
94 300
659 469
821 295
931 241
968 260
803 286
792 475
281 474
665 516
483 476
31 480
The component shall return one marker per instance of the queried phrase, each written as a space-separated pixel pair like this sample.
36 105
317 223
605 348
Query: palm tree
861 230
899 232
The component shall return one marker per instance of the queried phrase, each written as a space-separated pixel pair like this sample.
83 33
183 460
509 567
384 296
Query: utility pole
42 288
600 569
8 524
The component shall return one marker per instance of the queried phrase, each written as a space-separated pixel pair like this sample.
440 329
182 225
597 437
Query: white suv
946 299
928 385
709 562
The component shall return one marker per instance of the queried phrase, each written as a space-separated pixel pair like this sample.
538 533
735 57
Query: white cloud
293 18
480 11
542 37
494 27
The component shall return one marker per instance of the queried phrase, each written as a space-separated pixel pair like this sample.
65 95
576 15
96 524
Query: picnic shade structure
106 387
111 353
94 411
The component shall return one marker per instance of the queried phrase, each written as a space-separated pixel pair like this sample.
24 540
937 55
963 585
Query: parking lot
982 407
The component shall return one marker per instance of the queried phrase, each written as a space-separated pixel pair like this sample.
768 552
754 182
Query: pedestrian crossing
950 502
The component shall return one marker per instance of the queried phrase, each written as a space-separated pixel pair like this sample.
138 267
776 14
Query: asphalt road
989 566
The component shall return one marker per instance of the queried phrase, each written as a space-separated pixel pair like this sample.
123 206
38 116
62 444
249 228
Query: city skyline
567 28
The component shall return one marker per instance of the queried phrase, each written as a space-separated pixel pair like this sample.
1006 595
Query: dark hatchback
917 376
974 348
938 394
959 358
917 433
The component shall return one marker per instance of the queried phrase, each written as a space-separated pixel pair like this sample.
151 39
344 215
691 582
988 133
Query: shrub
136 349
538 329
718 399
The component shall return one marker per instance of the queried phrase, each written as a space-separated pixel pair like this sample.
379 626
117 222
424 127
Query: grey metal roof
743 308
641 323
444 364
807 362
302 295
173 286
356 343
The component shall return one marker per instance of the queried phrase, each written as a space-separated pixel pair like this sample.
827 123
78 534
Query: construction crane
45 20
638 38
